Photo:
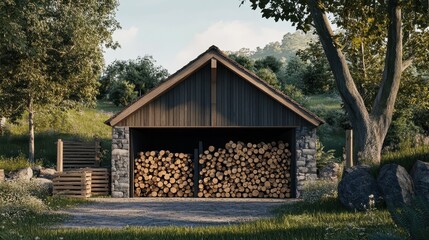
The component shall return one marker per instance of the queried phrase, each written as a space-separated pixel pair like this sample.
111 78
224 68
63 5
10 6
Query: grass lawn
328 108
302 220
84 124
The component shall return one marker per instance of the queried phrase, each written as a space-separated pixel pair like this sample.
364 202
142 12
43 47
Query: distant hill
283 50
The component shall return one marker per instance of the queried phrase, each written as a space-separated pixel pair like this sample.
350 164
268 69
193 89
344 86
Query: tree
269 62
397 30
122 93
141 73
269 76
51 54
317 77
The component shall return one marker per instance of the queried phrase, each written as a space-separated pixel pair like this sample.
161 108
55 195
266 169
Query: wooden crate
100 181
73 184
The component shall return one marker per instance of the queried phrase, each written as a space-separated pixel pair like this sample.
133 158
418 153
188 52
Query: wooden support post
349 148
200 147
213 91
196 172
59 155
2 177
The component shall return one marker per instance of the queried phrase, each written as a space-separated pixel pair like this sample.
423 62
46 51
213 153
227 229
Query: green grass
300 220
328 107
406 157
13 163
107 107
85 125
328 102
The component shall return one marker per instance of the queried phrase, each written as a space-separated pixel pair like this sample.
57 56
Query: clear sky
174 32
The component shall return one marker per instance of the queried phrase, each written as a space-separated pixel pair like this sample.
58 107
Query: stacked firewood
163 174
246 170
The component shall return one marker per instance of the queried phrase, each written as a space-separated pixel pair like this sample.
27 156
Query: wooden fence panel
72 155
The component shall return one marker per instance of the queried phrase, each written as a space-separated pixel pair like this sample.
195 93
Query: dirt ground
117 212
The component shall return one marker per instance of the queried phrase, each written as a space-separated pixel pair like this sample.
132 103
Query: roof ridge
219 53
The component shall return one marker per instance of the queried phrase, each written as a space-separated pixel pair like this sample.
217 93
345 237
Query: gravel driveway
116 212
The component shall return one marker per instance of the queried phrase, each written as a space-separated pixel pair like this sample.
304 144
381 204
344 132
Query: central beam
213 78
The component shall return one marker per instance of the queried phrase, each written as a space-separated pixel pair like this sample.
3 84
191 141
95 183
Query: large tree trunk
31 131
370 129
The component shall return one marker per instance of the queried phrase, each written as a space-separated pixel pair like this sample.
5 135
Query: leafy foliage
414 218
139 76
317 77
324 157
51 54
376 43
122 93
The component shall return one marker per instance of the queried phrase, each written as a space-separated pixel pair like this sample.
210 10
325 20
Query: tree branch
352 99
386 96
408 62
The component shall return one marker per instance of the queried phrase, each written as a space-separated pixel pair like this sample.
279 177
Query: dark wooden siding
186 104
241 104
238 103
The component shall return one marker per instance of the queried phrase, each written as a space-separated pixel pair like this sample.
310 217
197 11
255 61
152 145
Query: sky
175 32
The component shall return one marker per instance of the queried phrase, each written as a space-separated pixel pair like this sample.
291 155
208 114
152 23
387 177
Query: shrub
295 93
414 218
13 163
324 157
20 198
319 190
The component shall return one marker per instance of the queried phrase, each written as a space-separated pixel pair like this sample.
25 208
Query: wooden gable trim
174 80
213 55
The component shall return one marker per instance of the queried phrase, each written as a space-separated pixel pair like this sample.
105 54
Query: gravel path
116 212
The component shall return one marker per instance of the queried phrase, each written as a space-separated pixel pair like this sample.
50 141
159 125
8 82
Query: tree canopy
396 32
123 81
51 53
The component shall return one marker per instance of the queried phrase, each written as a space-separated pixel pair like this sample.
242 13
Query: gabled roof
214 53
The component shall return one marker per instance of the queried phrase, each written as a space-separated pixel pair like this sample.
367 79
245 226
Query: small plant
324 157
315 191
414 218
13 163
19 198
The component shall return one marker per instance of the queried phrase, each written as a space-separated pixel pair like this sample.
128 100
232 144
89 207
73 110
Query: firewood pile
163 174
246 170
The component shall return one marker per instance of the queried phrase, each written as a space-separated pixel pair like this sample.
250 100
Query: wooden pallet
73 184
100 181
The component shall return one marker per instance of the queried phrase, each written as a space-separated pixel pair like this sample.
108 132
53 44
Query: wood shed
213 129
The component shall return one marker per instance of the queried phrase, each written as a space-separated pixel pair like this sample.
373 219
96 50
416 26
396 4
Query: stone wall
120 162
305 157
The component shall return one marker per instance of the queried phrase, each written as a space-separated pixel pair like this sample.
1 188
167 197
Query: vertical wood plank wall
237 103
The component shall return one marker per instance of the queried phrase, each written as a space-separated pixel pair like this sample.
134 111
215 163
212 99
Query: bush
295 93
320 190
122 93
20 198
324 157
13 163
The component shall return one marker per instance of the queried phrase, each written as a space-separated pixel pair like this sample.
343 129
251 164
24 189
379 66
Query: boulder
2 176
357 187
395 185
420 176
46 184
23 174
330 171
48 173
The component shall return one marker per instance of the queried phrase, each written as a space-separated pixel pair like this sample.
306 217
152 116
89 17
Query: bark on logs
246 170
163 174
